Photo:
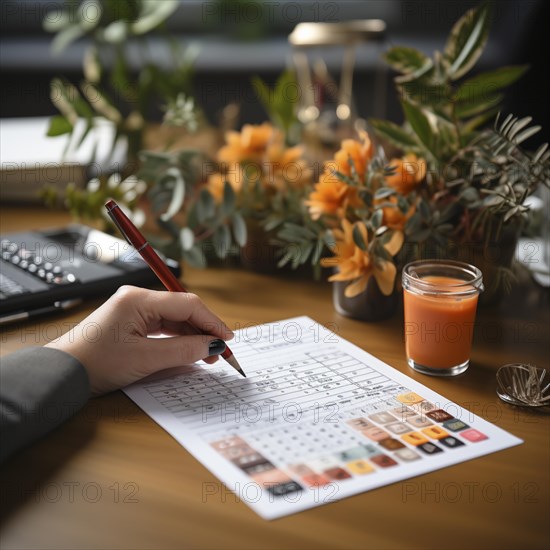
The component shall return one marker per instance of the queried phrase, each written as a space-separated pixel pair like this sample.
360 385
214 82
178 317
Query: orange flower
410 171
331 196
249 144
285 167
262 153
216 181
394 218
360 152
357 265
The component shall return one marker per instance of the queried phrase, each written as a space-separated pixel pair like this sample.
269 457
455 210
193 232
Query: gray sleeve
40 388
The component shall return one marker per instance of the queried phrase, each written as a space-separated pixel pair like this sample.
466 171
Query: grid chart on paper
312 420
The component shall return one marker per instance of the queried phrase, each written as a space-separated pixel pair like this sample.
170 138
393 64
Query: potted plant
457 188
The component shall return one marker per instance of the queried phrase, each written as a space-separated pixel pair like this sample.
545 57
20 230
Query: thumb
180 350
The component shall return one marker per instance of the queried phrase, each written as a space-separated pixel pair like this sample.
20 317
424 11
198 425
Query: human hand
113 345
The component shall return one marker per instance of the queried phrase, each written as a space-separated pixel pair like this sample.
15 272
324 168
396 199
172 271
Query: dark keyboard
41 267
8 287
32 264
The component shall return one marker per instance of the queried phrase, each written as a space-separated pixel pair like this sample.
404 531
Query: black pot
370 305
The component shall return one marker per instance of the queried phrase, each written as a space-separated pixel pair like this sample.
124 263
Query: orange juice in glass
440 299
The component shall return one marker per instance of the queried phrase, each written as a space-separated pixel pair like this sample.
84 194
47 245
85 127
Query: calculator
47 267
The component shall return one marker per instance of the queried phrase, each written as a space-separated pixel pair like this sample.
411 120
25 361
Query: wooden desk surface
111 478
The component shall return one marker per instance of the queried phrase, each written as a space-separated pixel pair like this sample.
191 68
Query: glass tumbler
440 301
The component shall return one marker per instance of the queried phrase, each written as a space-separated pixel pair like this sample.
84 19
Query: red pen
134 236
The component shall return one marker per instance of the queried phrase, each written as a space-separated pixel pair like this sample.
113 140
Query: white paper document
316 420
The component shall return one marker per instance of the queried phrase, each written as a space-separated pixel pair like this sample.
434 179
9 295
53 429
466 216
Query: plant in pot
456 189
358 211
478 178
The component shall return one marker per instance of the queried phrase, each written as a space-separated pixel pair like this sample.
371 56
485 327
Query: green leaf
394 134
424 90
72 96
517 126
493 200
424 210
447 138
346 179
403 205
85 134
384 192
280 102
195 257
329 239
262 90
376 219
206 206
509 121
467 108
385 238
65 37
383 254
477 121
358 238
88 18
484 85
526 134
413 224
286 257
91 66
82 108
222 241
228 198
420 124
511 213
116 32
120 79
153 13
469 194
239 229
59 126
422 75
272 222
467 40
405 59
187 238
173 180
317 251
286 99
57 23
366 196
540 152
303 254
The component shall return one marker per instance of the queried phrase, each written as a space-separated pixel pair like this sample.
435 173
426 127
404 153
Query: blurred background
231 40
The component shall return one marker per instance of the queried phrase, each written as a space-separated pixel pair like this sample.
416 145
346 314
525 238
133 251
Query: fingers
181 315
163 353
177 307
174 328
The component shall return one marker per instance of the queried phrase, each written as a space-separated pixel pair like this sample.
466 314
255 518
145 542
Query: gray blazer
40 388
